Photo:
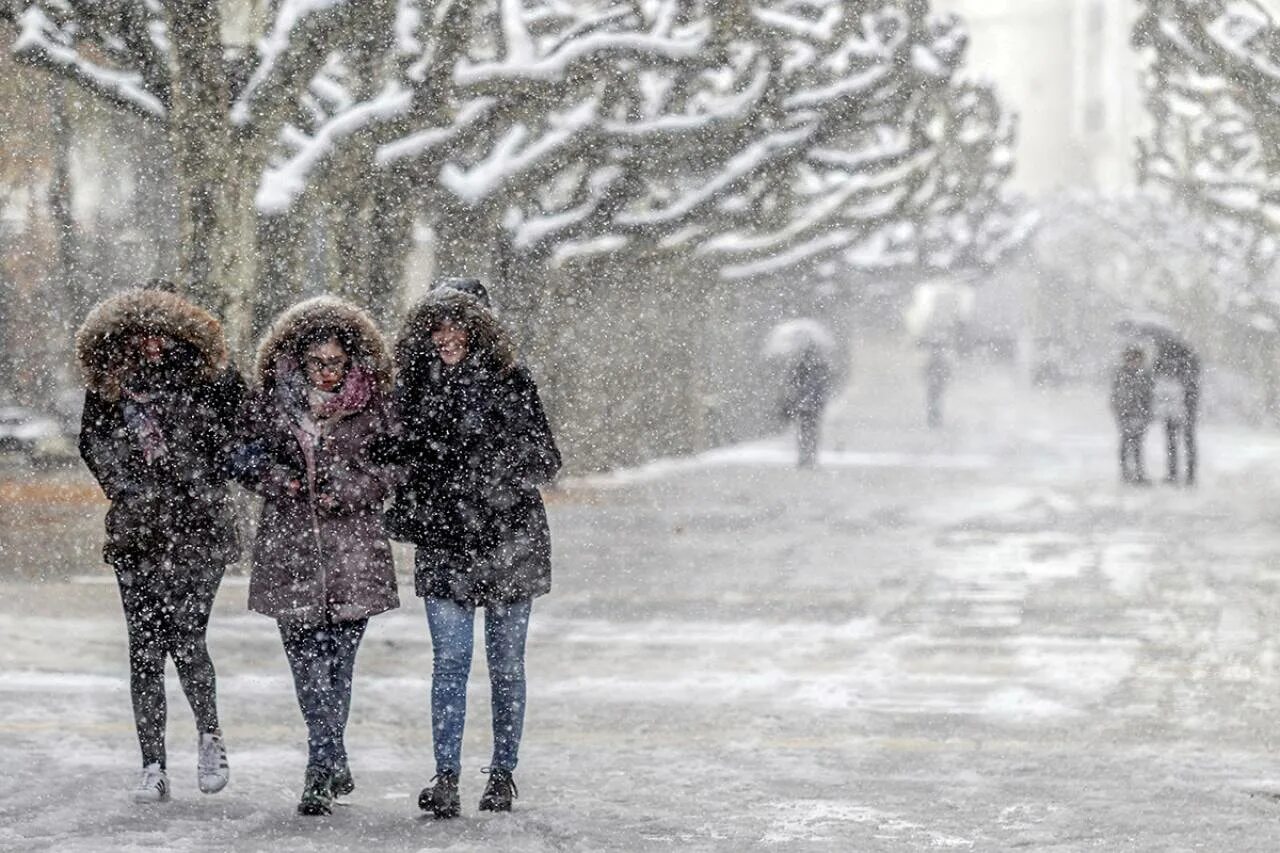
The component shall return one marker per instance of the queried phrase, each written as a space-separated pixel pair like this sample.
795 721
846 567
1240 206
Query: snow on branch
531 231
555 66
736 107
282 184
433 138
820 30
41 42
797 254
879 191
291 16
749 161
511 156
854 86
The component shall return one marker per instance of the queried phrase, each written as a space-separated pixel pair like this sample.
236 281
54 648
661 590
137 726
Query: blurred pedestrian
474 445
1169 407
937 374
1132 387
1177 364
321 560
806 389
156 433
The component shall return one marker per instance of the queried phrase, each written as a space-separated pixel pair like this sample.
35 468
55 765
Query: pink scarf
354 395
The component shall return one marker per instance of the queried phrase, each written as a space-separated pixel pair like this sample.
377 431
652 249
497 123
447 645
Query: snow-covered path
966 640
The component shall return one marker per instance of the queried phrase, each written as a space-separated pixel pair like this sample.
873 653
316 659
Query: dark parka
807 384
314 563
173 505
474 444
1177 360
1132 393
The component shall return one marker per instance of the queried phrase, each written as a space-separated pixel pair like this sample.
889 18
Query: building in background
1067 68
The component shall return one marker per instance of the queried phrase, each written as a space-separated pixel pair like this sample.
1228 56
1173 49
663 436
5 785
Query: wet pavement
971 638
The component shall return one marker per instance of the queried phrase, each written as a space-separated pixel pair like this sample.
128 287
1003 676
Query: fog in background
960 631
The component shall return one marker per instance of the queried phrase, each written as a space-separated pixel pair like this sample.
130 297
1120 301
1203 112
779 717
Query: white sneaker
153 786
212 770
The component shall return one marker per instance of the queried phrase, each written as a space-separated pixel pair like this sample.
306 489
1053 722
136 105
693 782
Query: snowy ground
968 640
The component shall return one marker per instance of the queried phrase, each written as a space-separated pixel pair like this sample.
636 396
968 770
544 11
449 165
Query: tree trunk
390 236
216 176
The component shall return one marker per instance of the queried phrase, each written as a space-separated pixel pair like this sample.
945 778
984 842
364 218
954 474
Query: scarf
142 416
312 411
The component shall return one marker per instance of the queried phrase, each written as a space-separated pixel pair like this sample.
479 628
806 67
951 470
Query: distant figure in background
937 373
1132 388
804 397
1176 364
1169 407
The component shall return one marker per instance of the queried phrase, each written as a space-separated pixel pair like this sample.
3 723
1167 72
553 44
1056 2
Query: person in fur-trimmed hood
474 445
321 559
159 399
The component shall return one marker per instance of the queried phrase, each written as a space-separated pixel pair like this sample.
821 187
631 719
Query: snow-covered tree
1213 86
769 132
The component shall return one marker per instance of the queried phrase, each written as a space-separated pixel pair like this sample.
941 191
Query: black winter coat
1132 392
1179 361
474 444
177 504
158 436
806 386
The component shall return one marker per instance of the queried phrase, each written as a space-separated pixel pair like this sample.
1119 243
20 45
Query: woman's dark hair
488 343
319 334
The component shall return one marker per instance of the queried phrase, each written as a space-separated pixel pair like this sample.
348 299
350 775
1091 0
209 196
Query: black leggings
166 609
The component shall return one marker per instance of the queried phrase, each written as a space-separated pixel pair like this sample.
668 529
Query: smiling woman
475 446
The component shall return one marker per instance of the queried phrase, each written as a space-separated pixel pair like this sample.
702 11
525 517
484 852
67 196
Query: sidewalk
968 639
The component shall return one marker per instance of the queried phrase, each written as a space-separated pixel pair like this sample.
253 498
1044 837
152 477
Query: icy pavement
973 639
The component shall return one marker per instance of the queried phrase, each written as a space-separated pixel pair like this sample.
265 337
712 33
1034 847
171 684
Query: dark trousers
1131 464
323 661
166 610
1186 430
933 403
808 423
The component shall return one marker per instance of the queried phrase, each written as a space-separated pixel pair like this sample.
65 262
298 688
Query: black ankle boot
500 791
317 793
441 799
342 782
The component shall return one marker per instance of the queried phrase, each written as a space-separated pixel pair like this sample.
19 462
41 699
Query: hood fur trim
487 336
371 347
101 339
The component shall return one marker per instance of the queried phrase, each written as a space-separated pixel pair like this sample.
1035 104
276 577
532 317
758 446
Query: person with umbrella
806 348
1176 364
1131 391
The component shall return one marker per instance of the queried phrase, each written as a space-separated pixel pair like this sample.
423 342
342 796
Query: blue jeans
323 660
452 641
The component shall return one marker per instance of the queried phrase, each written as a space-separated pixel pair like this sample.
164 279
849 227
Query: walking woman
474 444
155 432
321 560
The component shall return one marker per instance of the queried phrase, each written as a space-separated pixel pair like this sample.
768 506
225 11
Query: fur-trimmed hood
487 337
324 311
102 338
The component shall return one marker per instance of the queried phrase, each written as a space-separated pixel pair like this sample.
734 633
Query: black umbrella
1175 356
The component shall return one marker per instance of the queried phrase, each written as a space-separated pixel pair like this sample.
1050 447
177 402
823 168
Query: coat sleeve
526 449
362 480
227 402
250 461
104 451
